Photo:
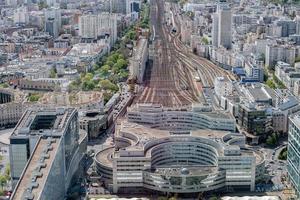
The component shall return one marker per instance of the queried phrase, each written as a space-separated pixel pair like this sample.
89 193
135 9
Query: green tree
53 72
33 97
3 181
271 84
122 63
7 172
104 70
88 85
88 77
283 154
272 140
204 40
108 85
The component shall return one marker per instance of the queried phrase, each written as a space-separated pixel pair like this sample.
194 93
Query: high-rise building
93 26
224 28
87 26
297 20
221 30
122 6
21 15
215 29
115 6
46 152
293 157
51 27
53 15
288 27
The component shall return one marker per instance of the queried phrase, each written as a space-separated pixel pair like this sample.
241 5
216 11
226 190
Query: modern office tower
253 119
224 27
221 30
293 157
93 26
51 27
46 152
173 151
215 30
54 14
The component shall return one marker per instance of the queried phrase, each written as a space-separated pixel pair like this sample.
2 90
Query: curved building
12 107
176 159
190 118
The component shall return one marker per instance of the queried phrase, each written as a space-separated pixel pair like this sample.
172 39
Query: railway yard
169 80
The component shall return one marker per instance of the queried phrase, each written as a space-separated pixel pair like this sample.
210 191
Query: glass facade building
293 159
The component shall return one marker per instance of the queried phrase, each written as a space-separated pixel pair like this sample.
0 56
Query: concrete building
21 16
94 26
215 30
224 20
12 106
139 59
275 53
176 159
285 105
254 71
223 87
254 119
94 123
53 21
293 157
195 117
46 151
288 27
38 85
115 6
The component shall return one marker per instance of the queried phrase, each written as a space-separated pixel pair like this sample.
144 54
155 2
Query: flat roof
27 181
23 128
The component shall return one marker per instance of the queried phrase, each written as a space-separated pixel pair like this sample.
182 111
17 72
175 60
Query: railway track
167 82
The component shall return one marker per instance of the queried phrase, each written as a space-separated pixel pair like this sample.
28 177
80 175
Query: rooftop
43 121
36 172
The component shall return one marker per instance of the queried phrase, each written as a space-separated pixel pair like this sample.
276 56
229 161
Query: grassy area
4 85
34 97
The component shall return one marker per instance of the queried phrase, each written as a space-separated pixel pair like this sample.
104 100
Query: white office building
179 159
